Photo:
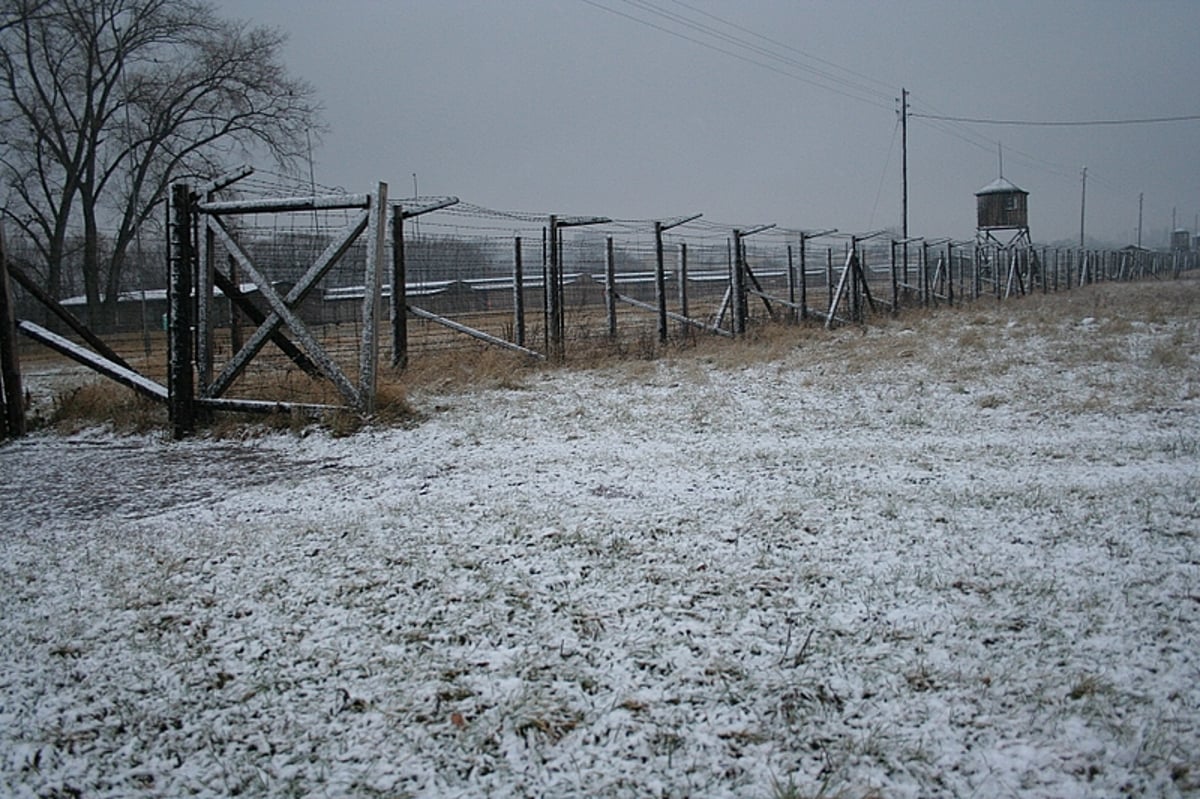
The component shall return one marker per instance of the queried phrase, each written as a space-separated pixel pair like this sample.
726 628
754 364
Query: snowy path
670 579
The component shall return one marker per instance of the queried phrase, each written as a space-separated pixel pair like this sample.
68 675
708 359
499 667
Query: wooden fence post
950 273
399 298
610 288
738 286
368 363
925 291
791 286
518 294
554 342
803 282
895 280
828 275
180 382
683 289
12 400
660 283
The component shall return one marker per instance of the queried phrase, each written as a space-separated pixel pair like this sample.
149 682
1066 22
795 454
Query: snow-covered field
950 556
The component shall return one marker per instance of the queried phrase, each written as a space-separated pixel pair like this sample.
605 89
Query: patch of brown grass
106 404
475 366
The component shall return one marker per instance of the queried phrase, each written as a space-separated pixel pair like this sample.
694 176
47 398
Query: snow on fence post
180 384
368 364
12 401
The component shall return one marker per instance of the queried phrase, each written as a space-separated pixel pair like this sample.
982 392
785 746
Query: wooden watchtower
1002 215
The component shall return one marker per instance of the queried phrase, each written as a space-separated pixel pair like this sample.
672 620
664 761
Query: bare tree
104 102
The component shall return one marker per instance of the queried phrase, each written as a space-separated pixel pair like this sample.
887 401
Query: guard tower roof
1000 186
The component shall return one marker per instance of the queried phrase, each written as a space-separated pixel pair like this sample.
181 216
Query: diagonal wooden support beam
285 314
111 369
836 299
762 295
252 312
866 287
269 326
54 306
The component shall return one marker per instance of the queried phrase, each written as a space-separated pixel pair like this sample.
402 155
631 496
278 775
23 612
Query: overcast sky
572 106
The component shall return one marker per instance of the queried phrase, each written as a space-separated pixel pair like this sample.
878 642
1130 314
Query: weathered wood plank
12 400
122 374
470 331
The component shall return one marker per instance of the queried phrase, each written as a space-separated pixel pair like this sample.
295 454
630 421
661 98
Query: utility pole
904 173
904 162
1139 241
1082 207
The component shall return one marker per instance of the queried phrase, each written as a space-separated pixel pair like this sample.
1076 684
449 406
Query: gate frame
192 256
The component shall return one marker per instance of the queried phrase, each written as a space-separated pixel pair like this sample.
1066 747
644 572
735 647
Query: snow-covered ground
952 556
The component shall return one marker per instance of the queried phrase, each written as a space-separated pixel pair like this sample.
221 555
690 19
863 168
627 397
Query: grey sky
561 106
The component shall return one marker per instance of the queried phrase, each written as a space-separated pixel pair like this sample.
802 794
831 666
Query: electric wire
1061 123
738 41
887 88
731 53
883 176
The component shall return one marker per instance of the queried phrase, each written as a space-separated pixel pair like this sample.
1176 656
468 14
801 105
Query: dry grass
102 402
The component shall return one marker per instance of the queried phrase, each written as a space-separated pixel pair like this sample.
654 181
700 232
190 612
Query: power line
1060 123
887 88
742 44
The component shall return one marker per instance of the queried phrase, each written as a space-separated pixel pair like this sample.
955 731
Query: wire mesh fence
537 280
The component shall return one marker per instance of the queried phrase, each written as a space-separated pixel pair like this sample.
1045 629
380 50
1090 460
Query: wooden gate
199 231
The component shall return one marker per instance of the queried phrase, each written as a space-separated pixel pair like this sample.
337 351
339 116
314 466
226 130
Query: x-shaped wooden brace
281 309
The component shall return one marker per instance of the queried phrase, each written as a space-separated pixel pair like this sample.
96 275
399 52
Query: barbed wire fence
546 284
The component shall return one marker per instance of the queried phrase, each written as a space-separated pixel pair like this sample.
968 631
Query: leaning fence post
12 399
